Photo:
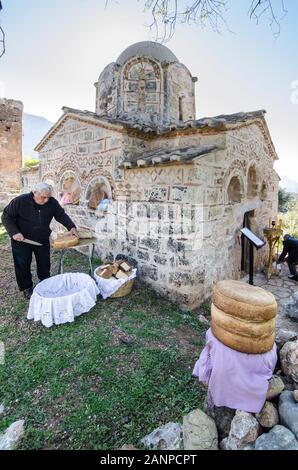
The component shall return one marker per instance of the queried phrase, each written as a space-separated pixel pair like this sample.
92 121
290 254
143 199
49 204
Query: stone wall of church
11 113
146 90
84 151
181 222
106 90
180 93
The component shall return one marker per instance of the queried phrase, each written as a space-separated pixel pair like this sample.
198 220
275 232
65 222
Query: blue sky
56 49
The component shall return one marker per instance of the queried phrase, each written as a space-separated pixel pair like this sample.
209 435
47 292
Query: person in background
28 216
290 255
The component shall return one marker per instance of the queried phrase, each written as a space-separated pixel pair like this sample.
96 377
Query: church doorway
248 222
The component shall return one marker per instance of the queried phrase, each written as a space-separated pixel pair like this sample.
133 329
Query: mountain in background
34 128
290 186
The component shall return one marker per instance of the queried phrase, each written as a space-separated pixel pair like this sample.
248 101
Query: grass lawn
108 379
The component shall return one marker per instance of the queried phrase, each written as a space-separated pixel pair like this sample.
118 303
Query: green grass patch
111 377
3 234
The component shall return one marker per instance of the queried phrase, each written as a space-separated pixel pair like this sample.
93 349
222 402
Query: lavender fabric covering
236 380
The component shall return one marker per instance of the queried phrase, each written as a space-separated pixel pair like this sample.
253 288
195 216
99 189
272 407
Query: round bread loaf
85 233
243 344
65 241
243 317
242 300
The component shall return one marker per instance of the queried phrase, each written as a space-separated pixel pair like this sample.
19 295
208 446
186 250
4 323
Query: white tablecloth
61 298
108 287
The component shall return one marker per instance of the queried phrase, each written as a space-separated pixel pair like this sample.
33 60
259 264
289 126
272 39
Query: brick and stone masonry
180 187
11 114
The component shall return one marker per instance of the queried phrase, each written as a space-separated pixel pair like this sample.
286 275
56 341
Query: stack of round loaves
243 317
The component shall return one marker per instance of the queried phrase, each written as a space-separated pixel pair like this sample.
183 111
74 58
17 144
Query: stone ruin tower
11 114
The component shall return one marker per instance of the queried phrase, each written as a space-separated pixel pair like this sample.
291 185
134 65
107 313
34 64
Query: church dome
151 49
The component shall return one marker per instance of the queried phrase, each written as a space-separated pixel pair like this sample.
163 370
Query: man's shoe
291 277
27 293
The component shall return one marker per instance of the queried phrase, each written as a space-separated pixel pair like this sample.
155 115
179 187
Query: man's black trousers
292 265
22 257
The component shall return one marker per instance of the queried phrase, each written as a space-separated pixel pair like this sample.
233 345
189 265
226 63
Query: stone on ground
199 432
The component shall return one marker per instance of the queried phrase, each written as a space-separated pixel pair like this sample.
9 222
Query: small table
90 242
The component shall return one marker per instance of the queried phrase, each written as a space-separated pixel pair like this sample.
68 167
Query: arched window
235 193
181 99
252 185
98 194
70 190
263 192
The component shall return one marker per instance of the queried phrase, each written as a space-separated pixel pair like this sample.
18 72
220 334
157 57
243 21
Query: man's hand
74 232
19 237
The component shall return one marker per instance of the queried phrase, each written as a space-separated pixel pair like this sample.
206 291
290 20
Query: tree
290 221
167 13
285 201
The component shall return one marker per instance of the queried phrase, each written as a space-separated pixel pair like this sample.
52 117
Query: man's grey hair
42 188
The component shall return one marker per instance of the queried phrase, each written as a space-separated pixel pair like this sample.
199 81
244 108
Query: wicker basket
124 290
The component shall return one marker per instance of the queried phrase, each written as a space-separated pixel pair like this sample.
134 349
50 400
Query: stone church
177 188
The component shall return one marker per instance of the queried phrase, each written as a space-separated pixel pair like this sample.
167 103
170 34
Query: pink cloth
236 380
66 199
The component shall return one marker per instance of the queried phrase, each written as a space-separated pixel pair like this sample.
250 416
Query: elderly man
290 255
29 216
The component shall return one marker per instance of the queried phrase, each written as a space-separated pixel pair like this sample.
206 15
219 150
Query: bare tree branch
261 8
2 42
167 13
2 38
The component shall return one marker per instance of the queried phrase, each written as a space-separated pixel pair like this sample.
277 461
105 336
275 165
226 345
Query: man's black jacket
33 220
291 249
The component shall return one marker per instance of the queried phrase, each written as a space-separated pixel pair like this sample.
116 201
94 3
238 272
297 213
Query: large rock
275 387
288 383
167 437
244 431
223 418
291 308
288 412
199 432
12 435
284 335
278 438
268 417
289 359
223 445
